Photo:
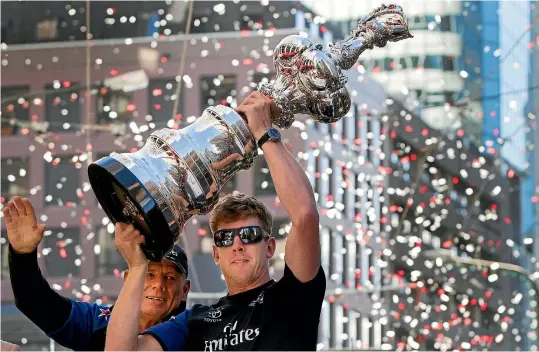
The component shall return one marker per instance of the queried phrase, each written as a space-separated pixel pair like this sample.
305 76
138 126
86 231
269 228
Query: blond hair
233 207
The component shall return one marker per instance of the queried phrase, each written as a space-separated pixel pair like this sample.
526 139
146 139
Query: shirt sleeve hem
156 337
319 278
66 323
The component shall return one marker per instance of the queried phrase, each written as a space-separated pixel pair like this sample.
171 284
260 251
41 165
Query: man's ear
186 289
215 254
271 246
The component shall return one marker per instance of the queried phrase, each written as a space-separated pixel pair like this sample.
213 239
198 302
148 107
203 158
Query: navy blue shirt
85 328
80 326
282 315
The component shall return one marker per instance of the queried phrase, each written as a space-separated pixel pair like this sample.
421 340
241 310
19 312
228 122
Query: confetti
404 206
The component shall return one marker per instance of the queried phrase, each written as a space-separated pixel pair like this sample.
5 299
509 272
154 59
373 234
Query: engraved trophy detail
178 173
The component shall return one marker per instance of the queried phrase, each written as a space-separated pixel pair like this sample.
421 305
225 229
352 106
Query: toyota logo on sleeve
214 316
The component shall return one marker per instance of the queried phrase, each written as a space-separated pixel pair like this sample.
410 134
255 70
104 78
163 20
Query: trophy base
124 198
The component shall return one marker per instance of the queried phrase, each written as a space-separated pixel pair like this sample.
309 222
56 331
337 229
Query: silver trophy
179 173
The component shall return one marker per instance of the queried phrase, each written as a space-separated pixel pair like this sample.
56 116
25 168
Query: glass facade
14 177
161 99
62 106
62 252
16 108
62 180
479 28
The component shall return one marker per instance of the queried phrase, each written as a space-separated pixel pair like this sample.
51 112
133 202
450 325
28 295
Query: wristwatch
272 134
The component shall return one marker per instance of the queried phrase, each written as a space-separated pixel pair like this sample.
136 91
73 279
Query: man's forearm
123 328
291 183
27 283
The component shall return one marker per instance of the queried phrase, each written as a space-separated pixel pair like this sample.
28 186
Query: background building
45 152
533 107
415 168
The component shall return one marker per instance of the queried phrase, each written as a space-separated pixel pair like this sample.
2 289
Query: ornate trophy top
310 80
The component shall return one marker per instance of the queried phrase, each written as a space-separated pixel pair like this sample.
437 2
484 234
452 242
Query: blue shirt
172 334
85 328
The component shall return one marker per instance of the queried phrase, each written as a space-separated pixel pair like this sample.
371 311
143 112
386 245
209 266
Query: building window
332 191
281 228
310 166
218 90
448 63
16 109
62 177
358 266
62 252
161 98
340 190
260 77
358 198
324 328
326 184
336 259
370 265
338 331
325 244
205 236
317 178
114 106
14 178
372 342
46 30
4 249
348 195
332 324
359 330
253 20
346 263
62 108
264 185
352 329
445 24
375 211
109 260
370 138
431 23
363 133
357 125
430 61
338 128
230 185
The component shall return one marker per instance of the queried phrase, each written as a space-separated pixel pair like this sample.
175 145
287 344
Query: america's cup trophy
178 173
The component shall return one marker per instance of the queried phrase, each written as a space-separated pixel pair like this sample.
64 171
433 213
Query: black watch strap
263 140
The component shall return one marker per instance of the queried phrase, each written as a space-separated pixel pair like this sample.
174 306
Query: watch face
274 134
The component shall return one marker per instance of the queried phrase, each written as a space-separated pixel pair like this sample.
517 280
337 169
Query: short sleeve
172 334
290 281
83 320
302 296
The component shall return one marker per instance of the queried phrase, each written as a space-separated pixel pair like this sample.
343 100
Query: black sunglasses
247 234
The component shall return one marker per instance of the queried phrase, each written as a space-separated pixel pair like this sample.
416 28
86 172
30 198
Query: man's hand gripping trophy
309 79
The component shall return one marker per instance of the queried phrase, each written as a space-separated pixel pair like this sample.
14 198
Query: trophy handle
309 79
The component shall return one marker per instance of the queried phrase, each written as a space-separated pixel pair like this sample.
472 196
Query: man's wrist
268 146
259 134
138 267
17 252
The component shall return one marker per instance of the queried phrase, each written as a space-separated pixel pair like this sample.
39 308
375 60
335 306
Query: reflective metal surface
179 173
309 79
